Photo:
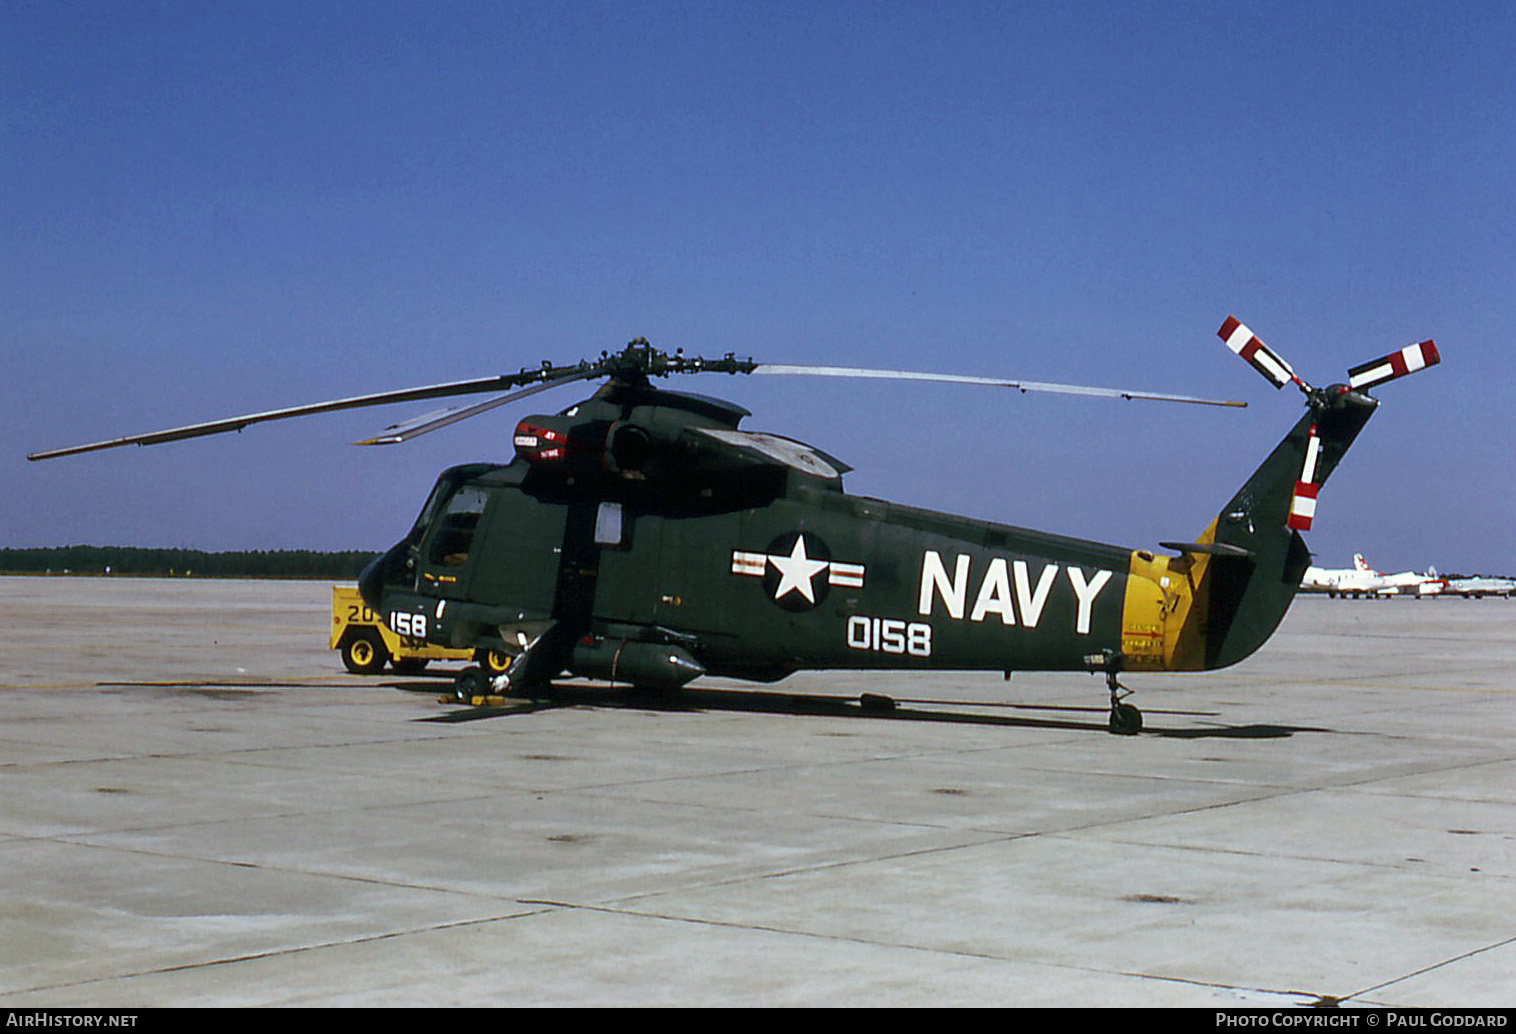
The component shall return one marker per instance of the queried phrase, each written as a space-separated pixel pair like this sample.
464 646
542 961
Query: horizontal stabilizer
1219 549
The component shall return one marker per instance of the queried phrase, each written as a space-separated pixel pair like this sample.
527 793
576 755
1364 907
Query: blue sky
216 208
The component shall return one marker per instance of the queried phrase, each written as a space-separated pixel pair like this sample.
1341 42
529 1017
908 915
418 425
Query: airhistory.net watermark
46 1019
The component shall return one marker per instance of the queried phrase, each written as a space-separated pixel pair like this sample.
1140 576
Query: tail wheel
364 654
1125 720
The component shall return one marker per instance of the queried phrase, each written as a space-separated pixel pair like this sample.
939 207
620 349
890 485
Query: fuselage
647 522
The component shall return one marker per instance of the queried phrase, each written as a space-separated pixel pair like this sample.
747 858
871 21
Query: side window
455 527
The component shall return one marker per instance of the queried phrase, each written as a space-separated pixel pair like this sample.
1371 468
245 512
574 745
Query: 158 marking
413 625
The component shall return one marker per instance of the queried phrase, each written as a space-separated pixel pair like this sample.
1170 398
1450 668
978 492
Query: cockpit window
455 526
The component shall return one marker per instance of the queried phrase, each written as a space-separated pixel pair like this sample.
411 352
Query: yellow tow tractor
367 644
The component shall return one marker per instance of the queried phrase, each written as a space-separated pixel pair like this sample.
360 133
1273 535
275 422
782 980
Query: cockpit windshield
455 523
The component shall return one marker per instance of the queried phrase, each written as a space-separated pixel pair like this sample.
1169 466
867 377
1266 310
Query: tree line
189 563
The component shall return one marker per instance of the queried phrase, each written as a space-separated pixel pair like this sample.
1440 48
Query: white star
796 571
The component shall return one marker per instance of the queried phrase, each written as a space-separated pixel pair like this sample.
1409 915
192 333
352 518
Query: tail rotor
1278 372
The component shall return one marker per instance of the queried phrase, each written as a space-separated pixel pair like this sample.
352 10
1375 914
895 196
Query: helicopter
642 536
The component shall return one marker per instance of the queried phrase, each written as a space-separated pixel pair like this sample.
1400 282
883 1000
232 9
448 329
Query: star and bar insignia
790 568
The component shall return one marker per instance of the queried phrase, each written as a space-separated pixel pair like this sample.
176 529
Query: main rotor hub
639 360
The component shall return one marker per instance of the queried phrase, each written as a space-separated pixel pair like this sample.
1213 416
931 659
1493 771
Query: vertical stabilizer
1248 595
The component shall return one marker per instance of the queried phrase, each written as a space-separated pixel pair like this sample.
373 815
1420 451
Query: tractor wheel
364 654
493 661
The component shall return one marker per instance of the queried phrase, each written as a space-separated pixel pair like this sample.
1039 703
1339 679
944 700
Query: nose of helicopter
371 579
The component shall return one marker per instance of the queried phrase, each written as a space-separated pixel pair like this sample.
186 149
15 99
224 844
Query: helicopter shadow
866 707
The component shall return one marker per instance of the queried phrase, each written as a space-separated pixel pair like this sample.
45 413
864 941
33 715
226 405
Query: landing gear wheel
364 654
1126 720
496 662
471 682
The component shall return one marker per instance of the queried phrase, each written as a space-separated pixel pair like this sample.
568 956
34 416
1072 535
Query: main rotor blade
953 378
237 423
405 431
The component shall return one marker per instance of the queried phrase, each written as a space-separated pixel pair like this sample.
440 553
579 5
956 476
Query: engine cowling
543 440
620 447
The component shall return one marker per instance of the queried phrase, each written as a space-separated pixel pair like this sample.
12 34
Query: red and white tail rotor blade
1259 355
1397 364
1303 500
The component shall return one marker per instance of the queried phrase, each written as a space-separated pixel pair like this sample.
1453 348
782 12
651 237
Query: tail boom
1224 595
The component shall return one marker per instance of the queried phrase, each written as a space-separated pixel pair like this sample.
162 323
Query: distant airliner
1477 587
1363 580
